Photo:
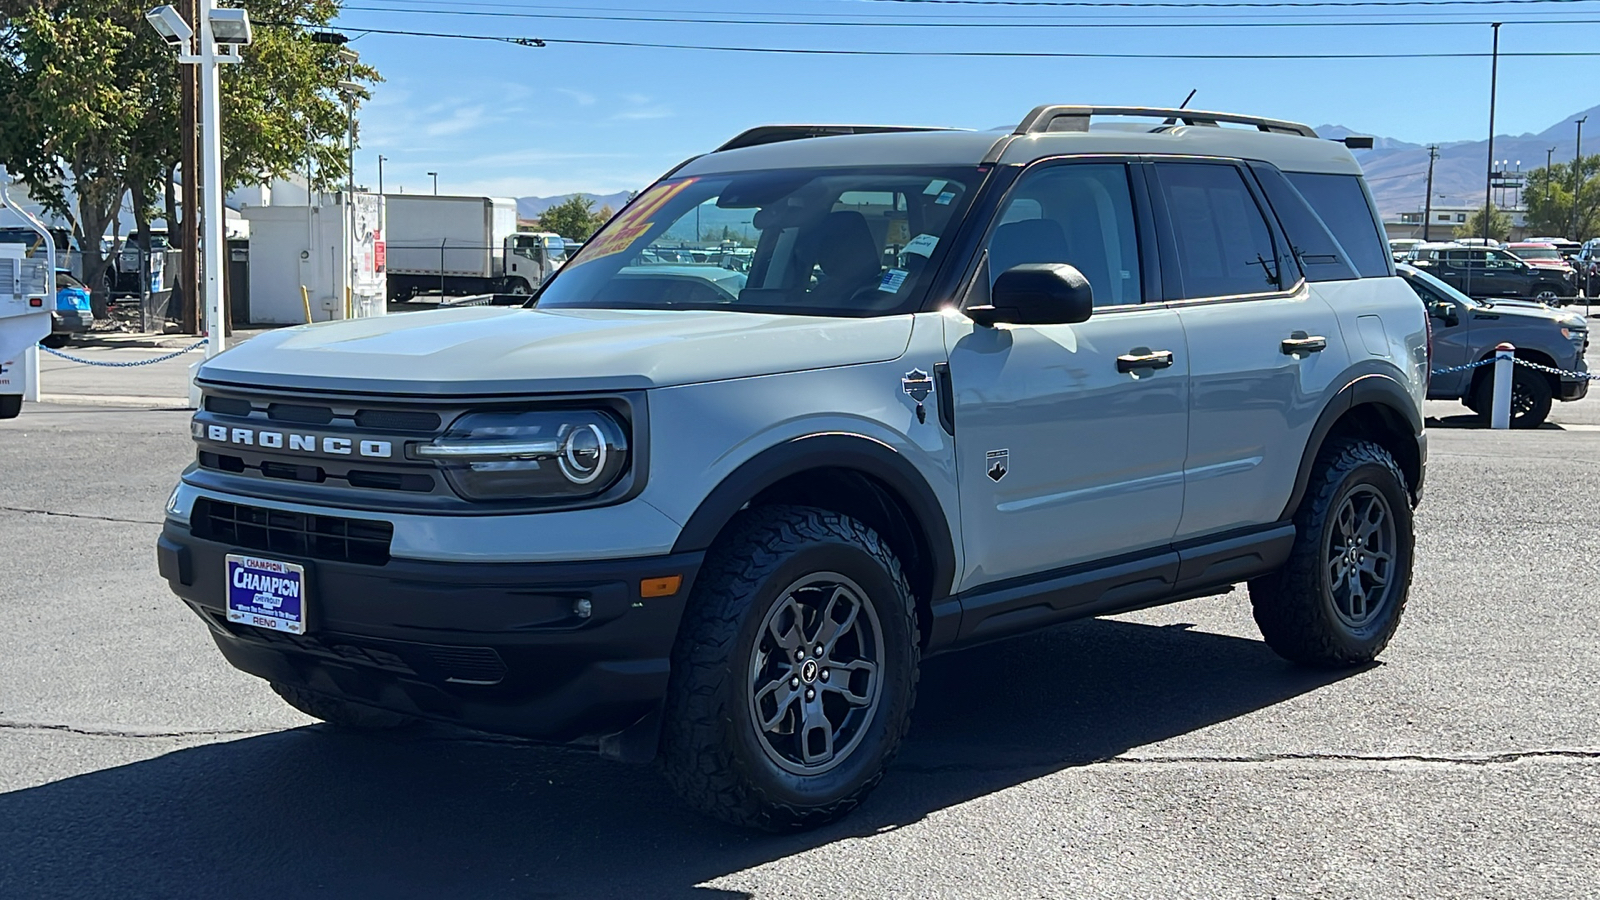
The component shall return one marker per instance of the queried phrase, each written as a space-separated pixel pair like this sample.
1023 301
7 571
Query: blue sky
500 119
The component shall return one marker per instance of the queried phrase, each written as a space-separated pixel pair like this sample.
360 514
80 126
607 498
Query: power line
1379 23
984 54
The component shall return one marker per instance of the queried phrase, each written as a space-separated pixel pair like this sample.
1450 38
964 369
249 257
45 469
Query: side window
1314 245
1081 215
1341 202
1223 243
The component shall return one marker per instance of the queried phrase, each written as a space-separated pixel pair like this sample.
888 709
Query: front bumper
1574 390
494 646
70 321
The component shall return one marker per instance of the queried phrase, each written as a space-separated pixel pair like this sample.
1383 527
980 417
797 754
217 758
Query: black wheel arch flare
831 451
1395 411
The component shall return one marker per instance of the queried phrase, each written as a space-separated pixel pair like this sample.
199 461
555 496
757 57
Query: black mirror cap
1036 294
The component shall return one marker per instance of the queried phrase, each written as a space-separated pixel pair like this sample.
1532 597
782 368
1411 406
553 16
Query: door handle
1300 342
1143 358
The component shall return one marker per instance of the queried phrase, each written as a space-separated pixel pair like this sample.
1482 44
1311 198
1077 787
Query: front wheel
1531 398
794 672
1547 294
1337 600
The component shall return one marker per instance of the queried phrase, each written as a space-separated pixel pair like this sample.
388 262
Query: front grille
330 538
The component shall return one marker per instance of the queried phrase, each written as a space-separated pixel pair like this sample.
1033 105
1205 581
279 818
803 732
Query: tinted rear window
1342 204
1319 253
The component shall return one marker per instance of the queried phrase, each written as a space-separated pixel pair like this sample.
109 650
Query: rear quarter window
1341 202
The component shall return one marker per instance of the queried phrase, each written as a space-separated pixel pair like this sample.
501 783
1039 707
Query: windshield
821 242
1437 287
1537 252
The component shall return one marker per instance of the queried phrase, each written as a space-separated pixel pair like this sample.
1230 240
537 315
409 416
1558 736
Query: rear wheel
341 713
1338 598
1547 293
10 406
1531 398
794 673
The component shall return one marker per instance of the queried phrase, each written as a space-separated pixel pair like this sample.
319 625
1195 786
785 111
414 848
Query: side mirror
1036 294
1445 311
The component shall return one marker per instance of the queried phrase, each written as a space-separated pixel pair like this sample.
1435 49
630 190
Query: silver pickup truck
1467 330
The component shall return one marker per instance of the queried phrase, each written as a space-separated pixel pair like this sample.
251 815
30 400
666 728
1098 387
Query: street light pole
380 174
435 176
211 180
1577 178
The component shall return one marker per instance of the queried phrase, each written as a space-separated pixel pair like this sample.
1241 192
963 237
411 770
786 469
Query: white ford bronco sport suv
964 385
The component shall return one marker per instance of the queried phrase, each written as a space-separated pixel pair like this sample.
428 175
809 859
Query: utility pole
1427 201
189 201
1577 178
1488 188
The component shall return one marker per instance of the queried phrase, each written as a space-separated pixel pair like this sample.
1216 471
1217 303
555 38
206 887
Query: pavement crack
67 515
88 731
1447 759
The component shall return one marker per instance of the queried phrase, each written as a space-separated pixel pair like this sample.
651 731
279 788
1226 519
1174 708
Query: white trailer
463 245
27 295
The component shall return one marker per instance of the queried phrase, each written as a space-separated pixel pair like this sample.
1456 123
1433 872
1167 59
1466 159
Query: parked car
1489 272
1059 371
1545 255
1467 330
1568 248
1587 262
1399 247
73 314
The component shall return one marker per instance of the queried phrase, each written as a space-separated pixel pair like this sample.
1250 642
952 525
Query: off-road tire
712 750
10 406
341 714
1295 606
1530 391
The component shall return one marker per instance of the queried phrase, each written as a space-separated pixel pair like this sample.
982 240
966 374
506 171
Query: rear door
1263 345
1070 439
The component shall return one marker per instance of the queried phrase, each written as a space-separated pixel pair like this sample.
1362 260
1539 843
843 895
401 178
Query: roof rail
772 134
1051 118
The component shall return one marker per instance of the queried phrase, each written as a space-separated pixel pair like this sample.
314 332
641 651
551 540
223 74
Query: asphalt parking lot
1161 754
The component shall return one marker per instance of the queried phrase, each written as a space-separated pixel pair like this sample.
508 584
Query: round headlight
583 453
563 454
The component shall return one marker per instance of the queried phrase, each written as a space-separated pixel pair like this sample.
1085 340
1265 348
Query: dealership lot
1165 753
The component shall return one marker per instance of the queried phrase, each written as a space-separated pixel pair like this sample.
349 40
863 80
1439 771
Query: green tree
1548 196
1499 225
572 218
89 109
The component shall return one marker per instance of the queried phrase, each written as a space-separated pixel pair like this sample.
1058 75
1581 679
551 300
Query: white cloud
579 97
462 119
647 112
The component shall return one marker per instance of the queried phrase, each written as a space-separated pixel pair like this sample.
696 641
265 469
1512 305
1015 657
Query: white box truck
464 245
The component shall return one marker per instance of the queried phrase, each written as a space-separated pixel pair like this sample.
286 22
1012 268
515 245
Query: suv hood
1532 310
483 350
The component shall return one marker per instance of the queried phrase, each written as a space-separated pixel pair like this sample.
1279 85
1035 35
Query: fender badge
998 462
918 386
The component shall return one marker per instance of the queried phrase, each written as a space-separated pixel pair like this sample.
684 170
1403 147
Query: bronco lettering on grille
315 444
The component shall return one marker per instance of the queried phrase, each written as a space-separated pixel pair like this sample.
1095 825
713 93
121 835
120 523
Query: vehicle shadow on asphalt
445 813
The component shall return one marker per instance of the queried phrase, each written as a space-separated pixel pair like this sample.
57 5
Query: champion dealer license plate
266 593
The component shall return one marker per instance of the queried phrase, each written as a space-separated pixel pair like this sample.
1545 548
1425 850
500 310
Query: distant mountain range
1397 171
533 207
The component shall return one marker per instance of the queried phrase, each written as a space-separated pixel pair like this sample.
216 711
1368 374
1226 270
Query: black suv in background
1491 273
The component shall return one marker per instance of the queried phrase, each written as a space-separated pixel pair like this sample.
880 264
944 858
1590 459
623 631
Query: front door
1070 439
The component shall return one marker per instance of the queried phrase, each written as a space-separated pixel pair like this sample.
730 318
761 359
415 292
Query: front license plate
266 593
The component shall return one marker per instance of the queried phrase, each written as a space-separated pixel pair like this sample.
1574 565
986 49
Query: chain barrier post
1504 362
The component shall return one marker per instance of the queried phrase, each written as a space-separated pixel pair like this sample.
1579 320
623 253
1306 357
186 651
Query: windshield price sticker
892 280
634 223
266 593
922 245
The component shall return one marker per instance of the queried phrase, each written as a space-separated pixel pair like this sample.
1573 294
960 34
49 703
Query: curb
115 400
